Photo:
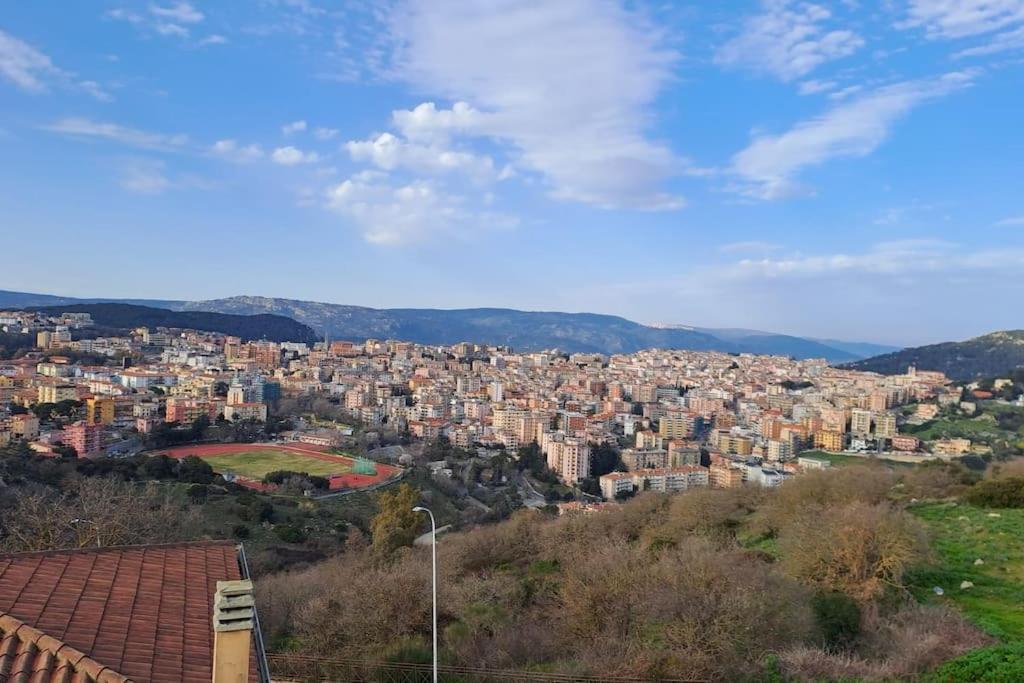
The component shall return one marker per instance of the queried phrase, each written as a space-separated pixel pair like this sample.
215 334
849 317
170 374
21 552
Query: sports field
257 464
249 463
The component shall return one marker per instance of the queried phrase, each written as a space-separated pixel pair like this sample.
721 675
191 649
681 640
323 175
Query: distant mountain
584 332
525 330
16 300
859 349
986 356
519 329
126 316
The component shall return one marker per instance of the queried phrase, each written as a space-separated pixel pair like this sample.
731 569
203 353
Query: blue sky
844 169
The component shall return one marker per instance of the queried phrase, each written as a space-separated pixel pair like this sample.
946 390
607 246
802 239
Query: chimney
233 618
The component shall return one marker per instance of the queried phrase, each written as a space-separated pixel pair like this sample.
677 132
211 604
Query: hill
523 330
990 355
526 330
126 316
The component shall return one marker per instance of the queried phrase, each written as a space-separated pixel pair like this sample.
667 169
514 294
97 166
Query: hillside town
678 419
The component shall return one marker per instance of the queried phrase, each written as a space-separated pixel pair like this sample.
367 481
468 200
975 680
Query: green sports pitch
256 464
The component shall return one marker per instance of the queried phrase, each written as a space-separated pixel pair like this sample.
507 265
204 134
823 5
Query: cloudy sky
845 169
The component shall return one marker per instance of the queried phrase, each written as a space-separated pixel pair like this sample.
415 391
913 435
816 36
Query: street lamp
433 564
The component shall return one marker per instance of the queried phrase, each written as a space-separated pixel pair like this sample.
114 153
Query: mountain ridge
988 355
524 330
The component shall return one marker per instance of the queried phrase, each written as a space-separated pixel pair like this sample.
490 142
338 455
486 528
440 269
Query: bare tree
96 512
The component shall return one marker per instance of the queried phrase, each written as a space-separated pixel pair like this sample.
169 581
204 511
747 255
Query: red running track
341 481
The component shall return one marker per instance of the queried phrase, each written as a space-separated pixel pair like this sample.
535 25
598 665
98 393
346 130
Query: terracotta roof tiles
143 611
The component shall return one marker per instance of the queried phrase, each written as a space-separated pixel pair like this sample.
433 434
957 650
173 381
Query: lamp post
433 566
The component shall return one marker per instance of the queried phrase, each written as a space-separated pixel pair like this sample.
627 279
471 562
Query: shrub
997 493
899 647
290 533
998 664
813 491
838 617
858 549
937 479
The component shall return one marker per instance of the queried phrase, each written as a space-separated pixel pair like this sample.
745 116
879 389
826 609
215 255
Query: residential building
85 438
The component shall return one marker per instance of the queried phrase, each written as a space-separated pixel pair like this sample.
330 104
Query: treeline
806 582
20 465
15 344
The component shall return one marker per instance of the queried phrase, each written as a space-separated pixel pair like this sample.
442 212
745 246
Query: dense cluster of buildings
682 419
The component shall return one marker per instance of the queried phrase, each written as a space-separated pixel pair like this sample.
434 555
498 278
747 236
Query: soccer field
256 464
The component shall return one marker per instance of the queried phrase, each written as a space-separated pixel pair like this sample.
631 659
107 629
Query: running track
349 480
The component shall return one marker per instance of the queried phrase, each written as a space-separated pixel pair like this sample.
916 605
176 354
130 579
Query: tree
396 525
98 512
194 469
858 549
604 459
838 618
64 451
158 467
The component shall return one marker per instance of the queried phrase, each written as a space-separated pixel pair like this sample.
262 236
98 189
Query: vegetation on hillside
127 316
990 355
814 581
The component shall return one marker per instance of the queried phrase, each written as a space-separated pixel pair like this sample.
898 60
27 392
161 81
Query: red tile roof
143 611
27 653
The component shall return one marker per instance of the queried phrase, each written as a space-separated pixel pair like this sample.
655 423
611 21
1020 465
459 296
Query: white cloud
959 19
95 90
427 123
748 246
231 150
132 137
292 156
150 177
769 165
397 214
813 87
325 134
898 257
144 176
293 127
389 152
567 85
23 65
1004 42
905 288
788 40
182 12
213 39
963 18
1011 221
169 20
32 71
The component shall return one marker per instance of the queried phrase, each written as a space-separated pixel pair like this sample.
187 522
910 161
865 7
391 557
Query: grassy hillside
961 535
806 582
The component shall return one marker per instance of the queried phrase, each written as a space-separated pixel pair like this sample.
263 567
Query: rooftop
113 614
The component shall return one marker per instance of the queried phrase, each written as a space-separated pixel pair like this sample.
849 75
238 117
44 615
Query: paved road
531 496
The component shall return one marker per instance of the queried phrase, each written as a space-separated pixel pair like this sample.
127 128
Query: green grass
962 534
258 463
975 428
996 664
840 459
